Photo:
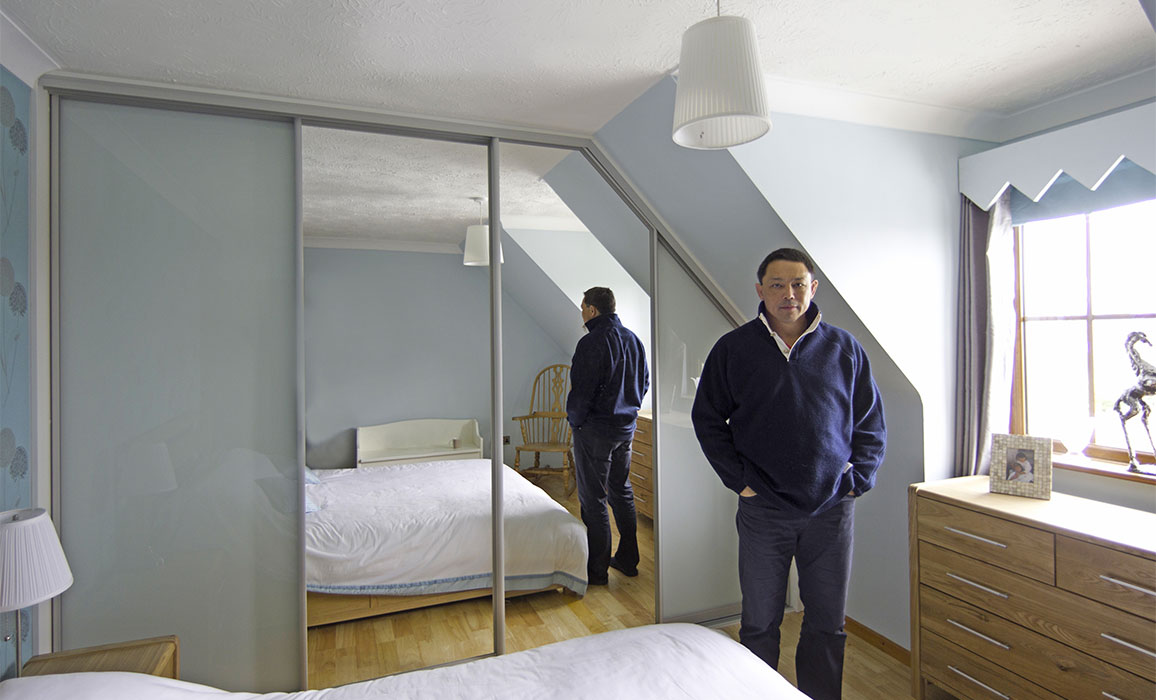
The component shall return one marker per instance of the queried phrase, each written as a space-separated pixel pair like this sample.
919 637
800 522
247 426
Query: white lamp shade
478 246
721 98
32 564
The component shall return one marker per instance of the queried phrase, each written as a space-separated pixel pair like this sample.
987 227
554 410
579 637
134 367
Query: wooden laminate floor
362 649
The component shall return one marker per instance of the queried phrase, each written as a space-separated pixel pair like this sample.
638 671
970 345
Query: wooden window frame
1099 459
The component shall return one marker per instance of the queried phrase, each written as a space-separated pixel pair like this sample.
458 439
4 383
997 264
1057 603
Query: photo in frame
1021 465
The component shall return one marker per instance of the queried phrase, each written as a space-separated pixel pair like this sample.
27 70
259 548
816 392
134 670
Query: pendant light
478 241
721 98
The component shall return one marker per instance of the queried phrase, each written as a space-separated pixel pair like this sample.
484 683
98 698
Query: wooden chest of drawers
642 467
157 656
1022 598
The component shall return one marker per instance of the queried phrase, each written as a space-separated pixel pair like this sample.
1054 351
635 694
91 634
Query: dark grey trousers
821 546
602 470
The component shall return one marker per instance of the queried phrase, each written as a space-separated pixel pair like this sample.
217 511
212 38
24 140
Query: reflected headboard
422 440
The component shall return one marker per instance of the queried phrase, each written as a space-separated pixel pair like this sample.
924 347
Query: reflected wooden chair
545 428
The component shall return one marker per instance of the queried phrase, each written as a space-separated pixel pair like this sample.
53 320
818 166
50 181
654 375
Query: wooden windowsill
1113 470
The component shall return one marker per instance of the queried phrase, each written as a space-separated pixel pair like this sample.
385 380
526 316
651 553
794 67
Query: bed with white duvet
667 661
424 528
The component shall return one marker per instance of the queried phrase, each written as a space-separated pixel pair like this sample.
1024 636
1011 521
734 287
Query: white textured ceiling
571 65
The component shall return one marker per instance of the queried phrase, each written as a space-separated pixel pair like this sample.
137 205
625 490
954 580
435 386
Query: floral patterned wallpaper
15 409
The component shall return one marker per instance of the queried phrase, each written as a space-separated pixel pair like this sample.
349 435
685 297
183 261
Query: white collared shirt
786 350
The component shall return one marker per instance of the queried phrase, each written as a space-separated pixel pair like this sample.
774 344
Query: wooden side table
157 656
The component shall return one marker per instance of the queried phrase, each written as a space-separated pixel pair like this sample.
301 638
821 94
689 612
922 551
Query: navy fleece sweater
608 378
788 429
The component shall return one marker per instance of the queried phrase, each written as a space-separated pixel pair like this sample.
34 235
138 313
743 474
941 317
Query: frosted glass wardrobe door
177 388
698 556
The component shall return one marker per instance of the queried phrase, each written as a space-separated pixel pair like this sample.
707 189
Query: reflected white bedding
420 528
658 661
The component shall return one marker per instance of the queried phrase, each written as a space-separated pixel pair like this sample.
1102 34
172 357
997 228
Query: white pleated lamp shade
32 564
721 98
478 246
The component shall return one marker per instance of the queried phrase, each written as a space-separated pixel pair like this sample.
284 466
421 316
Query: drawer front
1012 546
643 502
1120 638
1119 579
644 431
641 453
971 676
644 472
1057 667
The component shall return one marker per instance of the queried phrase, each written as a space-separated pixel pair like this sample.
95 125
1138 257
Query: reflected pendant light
721 97
477 251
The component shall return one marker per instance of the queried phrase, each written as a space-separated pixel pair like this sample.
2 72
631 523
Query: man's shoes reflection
625 572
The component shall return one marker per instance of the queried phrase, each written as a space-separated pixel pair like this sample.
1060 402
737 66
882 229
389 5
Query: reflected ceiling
371 188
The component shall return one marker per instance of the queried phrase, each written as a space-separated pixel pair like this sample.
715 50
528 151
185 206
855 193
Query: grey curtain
985 332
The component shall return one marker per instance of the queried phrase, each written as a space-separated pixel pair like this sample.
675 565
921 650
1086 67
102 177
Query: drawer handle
981 635
1131 586
1130 645
638 476
981 684
974 537
977 585
1109 695
639 498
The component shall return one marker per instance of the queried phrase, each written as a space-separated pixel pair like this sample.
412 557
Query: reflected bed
403 536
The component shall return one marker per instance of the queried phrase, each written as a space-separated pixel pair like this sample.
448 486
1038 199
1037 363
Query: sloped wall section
727 224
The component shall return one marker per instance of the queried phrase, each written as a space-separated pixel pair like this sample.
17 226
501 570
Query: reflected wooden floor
362 649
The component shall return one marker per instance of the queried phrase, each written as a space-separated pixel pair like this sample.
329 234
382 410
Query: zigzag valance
1088 152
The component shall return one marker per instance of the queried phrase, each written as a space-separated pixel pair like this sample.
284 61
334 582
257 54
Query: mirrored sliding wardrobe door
564 231
176 387
688 326
397 540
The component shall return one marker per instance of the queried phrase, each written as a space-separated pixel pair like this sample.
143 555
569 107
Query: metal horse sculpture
1131 403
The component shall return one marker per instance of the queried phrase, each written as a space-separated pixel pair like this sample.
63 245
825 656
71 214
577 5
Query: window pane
1056 381
1123 248
1114 375
1054 267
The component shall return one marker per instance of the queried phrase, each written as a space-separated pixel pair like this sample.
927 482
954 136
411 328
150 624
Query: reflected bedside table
156 656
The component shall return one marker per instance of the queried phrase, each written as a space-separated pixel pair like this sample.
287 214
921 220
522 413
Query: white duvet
658 661
412 529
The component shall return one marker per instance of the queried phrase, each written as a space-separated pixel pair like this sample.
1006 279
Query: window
1086 285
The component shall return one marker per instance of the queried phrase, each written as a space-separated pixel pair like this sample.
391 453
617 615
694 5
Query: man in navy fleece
789 416
608 378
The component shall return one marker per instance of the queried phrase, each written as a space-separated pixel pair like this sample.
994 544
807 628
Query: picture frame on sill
1021 465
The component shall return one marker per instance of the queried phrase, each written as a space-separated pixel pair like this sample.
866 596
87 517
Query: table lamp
32 564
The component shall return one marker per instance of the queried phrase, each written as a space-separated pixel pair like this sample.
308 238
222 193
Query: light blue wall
604 214
392 336
879 210
728 224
